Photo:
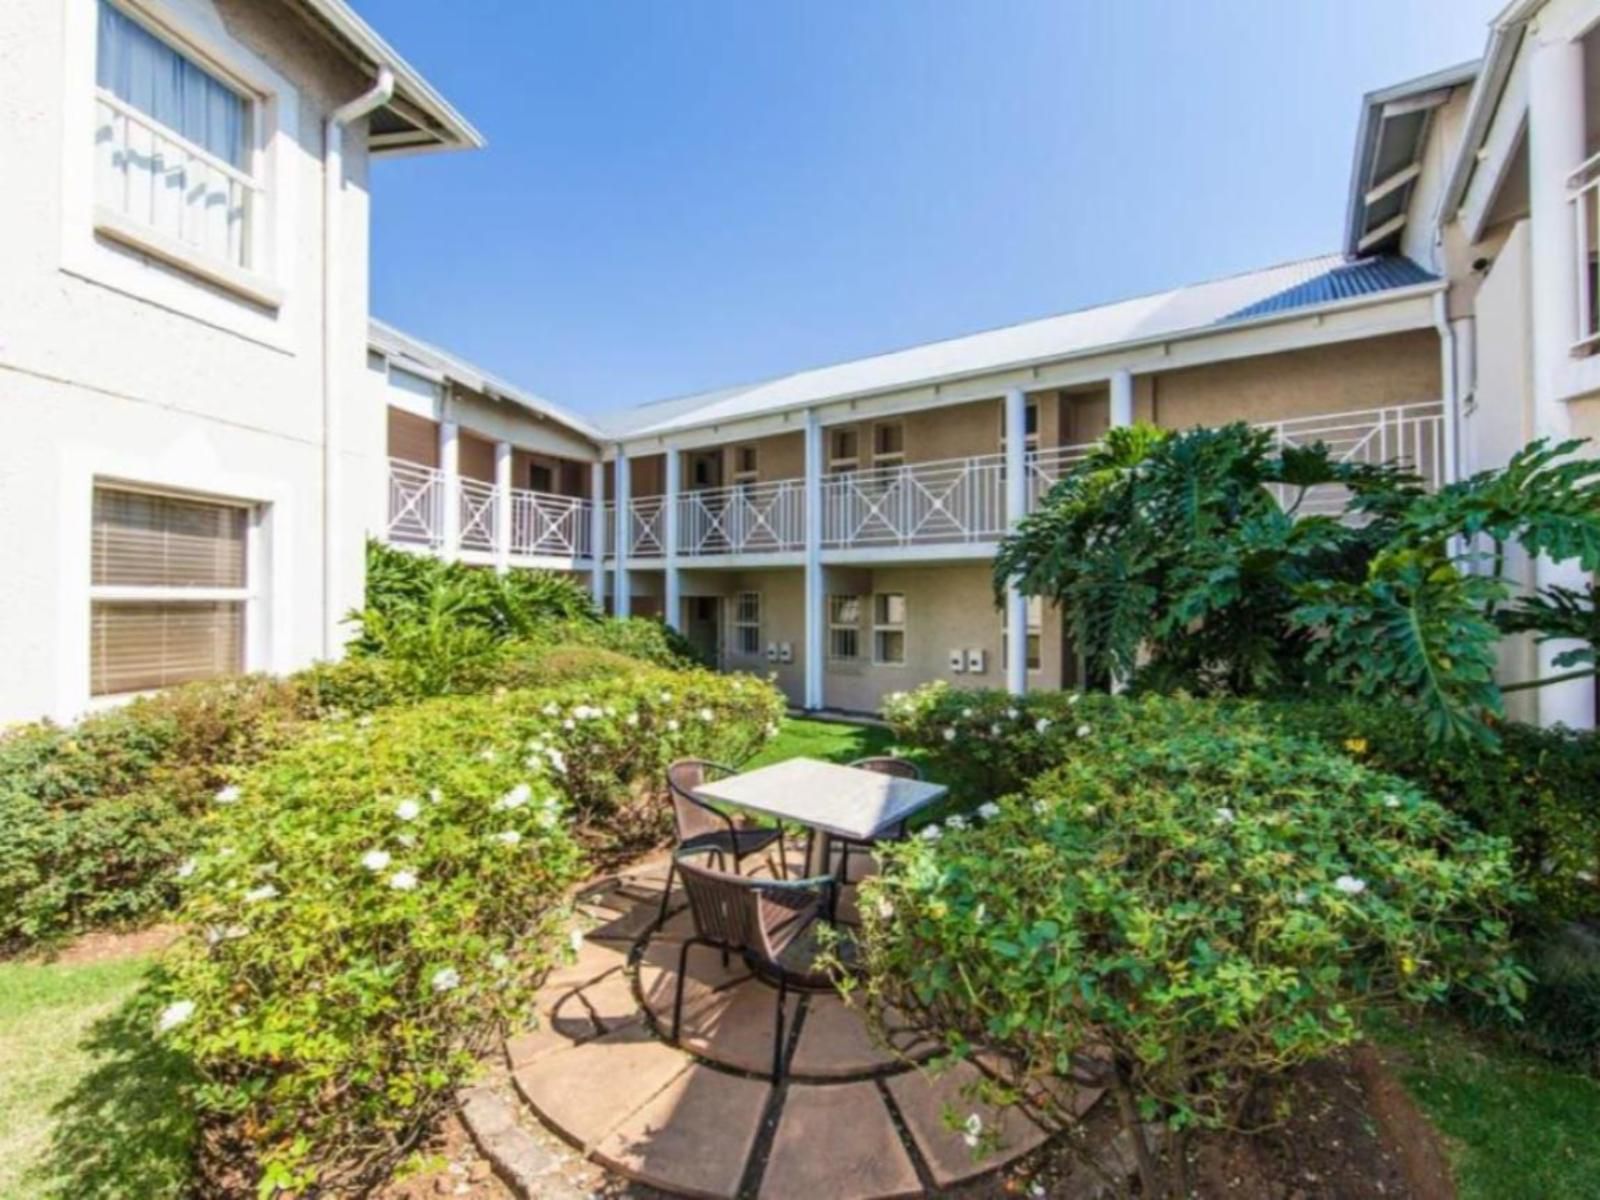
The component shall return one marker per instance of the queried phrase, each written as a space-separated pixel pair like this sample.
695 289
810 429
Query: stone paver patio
850 1121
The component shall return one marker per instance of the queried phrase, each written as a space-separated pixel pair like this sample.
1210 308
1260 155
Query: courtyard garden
1289 907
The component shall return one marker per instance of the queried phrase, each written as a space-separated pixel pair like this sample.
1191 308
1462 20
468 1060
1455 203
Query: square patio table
835 801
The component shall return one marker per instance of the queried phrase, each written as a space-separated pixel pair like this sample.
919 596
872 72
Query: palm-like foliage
1183 562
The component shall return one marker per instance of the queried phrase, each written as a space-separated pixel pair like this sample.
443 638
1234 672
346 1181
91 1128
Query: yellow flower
1408 965
1356 745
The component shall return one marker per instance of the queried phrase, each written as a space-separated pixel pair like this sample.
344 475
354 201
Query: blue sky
684 195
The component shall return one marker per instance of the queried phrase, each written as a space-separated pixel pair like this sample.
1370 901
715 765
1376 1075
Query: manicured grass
833 741
86 1106
1518 1124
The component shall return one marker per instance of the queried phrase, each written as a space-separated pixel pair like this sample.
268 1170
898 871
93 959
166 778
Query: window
1030 426
747 623
843 451
175 144
888 444
844 632
1035 632
168 590
746 464
889 627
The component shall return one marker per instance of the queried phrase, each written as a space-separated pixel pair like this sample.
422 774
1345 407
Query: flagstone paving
851 1120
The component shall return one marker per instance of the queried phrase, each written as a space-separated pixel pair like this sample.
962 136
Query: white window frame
1035 629
835 625
891 458
881 626
741 624
844 464
141 261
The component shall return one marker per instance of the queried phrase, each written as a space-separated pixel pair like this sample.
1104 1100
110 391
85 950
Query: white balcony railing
1408 435
542 524
154 177
1583 193
416 504
743 519
647 527
479 514
1047 466
958 500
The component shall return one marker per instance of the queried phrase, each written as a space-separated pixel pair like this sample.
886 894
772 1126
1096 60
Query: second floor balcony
536 525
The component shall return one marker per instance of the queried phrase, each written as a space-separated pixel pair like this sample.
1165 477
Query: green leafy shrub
1180 916
1561 1015
371 907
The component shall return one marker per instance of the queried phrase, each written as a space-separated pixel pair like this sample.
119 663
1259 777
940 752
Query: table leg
819 853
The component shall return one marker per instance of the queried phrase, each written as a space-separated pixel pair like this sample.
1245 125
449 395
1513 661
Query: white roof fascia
668 431
410 86
1505 40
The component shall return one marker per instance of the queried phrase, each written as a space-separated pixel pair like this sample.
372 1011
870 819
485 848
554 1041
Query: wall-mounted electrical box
772 651
786 652
977 661
958 661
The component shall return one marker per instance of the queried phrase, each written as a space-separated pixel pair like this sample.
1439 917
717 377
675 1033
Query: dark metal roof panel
1364 277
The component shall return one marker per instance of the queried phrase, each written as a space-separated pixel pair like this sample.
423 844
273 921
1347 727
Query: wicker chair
900 768
770 923
703 829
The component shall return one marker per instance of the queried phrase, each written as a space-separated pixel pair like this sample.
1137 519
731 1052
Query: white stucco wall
114 365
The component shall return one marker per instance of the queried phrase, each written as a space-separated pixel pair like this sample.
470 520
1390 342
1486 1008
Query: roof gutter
373 98
1194 333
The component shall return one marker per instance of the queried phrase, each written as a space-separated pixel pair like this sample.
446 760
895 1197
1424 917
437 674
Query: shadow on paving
125 1129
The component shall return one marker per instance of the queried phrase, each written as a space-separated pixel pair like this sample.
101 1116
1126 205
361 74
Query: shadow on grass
126 1129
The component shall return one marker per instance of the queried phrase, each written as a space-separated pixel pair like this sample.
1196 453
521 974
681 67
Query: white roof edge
409 83
1371 103
624 433
396 344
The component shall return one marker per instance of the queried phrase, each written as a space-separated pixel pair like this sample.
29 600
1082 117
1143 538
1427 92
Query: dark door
703 626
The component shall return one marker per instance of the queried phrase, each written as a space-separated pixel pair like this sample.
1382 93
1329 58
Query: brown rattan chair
770 923
704 829
900 768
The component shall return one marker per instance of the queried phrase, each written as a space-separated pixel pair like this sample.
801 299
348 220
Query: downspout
332 189
1449 386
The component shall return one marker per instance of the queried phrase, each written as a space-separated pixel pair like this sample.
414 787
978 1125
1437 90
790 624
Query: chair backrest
691 816
726 908
900 768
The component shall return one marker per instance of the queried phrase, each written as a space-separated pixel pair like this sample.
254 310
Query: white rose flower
375 860
1583 876
631 719
499 962
509 837
931 833
966 714
994 730
707 715
988 810
1012 714
672 725
885 908
1350 885
949 734
1041 808
186 868
227 795
487 754
435 795
403 881
1074 698
407 840
1042 724
956 822
265 892
407 810
551 710
515 798
1391 801
1224 816
569 724
446 978
1084 731
972 1131
557 760
666 697
173 1015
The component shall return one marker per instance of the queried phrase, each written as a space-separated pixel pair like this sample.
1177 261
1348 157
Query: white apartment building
834 526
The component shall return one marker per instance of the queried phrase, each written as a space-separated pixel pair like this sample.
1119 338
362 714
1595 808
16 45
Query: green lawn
1518 1124
85 1093
834 741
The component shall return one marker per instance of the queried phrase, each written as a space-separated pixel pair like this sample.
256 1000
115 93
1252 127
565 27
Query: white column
816 600
502 507
450 465
1556 146
622 601
597 532
1121 398
1016 508
672 605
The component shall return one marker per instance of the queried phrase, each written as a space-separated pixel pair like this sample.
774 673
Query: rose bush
1179 916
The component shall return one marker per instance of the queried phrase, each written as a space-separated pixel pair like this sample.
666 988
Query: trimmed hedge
373 905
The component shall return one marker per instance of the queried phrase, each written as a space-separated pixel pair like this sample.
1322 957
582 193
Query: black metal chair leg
666 894
677 999
777 1036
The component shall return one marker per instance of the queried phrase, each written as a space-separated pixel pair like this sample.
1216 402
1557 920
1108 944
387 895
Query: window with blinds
167 590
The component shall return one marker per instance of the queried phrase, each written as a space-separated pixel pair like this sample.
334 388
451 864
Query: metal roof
1365 277
1192 311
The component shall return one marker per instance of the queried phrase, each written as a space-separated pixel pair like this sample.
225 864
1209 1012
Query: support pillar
621 603
502 507
672 604
1121 398
1016 415
1557 144
450 465
816 599
597 533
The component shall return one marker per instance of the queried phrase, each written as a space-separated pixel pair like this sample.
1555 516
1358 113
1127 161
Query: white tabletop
843 801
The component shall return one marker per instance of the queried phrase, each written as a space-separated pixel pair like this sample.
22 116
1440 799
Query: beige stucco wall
115 365
1499 418
783 619
1401 368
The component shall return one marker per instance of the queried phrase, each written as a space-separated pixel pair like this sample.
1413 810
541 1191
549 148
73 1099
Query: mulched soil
107 946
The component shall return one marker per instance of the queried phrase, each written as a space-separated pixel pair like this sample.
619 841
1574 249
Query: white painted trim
672 600
814 650
622 593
